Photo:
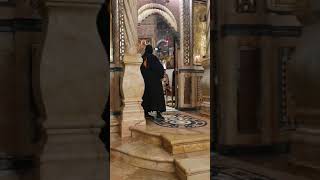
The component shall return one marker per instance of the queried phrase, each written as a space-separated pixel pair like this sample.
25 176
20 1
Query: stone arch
157 6
153 8
160 41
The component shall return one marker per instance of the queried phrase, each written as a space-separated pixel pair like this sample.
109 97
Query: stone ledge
178 144
146 136
137 129
193 168
183 139
144 156
144 151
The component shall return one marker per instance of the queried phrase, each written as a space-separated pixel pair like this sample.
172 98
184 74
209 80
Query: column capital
132 59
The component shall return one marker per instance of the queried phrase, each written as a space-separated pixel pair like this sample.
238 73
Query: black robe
102 22
153 96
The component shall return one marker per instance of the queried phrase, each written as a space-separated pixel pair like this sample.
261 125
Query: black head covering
103 19
148 50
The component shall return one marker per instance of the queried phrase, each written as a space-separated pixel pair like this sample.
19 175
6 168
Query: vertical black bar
214 76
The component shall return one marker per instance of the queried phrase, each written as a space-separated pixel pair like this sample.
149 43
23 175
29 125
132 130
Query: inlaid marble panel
187 90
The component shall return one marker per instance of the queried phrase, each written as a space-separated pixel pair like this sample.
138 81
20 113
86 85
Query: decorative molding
285 55
116 69
199 91
21 24
261 30
186 24
188 89
121 28
164 14
159 7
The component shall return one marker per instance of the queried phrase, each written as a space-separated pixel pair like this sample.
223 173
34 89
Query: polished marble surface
123 171
146 158
179 120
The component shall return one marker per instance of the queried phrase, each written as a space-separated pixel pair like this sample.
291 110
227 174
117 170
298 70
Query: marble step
134 173
173 143
142 155
193 168
180 144
147 137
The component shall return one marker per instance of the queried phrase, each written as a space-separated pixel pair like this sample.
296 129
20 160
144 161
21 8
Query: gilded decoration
121 28
187 30
200 32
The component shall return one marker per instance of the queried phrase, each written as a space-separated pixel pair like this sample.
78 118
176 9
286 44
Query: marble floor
222 167
124 169
151 126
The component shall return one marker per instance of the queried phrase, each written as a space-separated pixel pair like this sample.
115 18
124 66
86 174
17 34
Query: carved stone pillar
74 79
189 72
133 85
205 88
116 68
205 81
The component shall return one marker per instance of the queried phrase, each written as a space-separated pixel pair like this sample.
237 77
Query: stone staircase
187 156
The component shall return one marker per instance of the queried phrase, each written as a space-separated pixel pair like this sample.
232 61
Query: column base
133 115
74 154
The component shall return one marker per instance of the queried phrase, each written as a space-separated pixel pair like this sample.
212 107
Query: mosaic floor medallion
179 120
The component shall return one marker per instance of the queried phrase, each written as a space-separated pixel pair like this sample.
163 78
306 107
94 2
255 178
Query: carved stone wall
263 30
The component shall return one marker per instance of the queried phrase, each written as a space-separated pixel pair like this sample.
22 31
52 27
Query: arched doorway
158 26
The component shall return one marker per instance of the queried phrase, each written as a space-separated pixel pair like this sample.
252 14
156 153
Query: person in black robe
152 72
102 22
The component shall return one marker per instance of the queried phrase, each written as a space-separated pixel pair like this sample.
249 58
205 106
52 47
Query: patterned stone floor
154 127
176 119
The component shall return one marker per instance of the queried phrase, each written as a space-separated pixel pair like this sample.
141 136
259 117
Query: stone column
205 81
116 68
188 71
133 85
73 78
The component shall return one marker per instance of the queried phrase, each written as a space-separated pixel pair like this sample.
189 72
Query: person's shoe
159 116
147 116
